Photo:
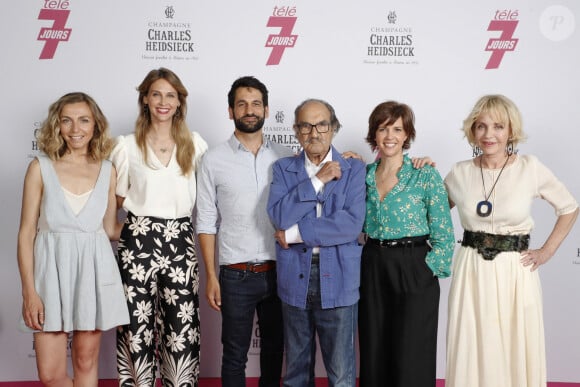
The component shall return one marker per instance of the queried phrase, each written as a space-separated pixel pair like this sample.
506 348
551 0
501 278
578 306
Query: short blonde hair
50 140
501 109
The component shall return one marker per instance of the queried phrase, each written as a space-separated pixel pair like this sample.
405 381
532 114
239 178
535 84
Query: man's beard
243 127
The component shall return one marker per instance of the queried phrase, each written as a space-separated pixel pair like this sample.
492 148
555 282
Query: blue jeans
336 329
244 293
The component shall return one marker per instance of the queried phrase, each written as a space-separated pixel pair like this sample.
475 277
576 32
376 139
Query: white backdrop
431 55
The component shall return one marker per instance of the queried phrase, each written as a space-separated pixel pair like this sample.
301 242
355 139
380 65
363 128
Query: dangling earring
476 151
510 148
177 112
146 109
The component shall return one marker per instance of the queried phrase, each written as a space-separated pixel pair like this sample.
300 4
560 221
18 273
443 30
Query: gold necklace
160 148
484 207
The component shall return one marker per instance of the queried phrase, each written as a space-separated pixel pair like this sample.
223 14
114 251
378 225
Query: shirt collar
310 164
238 146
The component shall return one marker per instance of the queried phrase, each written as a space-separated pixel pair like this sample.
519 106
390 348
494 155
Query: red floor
252 382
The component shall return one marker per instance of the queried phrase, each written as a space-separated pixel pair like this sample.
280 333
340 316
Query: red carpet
215 382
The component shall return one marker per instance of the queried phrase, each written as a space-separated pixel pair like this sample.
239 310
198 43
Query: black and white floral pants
160 274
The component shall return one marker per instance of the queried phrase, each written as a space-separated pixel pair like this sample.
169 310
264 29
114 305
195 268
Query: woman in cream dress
495 333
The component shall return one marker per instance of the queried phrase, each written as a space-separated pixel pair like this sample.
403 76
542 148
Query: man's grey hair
334 123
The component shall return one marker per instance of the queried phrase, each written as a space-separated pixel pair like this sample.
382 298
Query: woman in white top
156 186
70 280
495 334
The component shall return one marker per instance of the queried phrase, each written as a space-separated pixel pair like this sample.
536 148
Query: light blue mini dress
75 270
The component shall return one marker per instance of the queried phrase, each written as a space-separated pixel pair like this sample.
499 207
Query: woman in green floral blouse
409 246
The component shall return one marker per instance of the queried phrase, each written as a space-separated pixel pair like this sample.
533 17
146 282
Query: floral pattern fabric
160 274
417 205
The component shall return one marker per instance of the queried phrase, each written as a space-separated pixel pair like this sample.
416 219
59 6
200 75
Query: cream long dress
495 332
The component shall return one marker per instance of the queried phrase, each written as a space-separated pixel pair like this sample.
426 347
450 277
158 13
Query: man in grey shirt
232 192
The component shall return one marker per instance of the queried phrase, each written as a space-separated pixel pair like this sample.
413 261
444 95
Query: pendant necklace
484 207
160 148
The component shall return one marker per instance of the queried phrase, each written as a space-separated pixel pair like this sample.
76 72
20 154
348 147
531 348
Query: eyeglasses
306 127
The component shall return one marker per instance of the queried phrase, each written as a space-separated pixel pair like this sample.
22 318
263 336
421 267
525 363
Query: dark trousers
243 294
398 316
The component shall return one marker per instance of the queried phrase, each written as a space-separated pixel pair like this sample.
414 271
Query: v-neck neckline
63 195
158 162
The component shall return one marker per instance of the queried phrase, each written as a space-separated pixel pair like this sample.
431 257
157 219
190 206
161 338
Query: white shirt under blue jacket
293 200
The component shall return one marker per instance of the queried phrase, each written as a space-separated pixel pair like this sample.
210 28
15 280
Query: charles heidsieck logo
504 21
36 126
169 38
279 117
390 43
256 341
169 12
281 132
283 17
58 12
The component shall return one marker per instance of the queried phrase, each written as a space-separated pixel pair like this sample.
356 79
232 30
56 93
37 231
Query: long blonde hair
50 140
179 131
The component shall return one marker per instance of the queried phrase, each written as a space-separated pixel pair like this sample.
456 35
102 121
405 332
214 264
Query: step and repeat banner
438 57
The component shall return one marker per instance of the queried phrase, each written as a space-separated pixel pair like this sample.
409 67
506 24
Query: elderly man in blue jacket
317 204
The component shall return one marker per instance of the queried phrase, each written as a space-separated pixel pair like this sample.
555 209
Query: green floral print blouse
417 205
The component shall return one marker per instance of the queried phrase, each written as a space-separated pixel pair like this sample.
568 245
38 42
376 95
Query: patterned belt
395 243
253 267
490 245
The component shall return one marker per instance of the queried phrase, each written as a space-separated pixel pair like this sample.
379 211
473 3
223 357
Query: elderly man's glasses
306 127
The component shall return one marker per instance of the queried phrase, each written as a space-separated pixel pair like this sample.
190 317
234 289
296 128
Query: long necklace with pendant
484 207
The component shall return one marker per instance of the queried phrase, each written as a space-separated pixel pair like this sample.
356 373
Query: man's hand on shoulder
420 162
352 155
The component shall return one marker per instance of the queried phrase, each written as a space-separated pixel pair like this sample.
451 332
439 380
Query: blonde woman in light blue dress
70 280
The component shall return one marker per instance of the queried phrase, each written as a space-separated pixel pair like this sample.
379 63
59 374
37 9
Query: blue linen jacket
293 200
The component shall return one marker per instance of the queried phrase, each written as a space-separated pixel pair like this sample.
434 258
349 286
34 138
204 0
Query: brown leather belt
253 267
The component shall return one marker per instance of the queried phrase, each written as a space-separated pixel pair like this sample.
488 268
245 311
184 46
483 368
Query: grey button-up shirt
232 193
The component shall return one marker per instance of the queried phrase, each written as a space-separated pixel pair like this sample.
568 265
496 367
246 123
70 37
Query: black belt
490 245
315 259
253 267
397 243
